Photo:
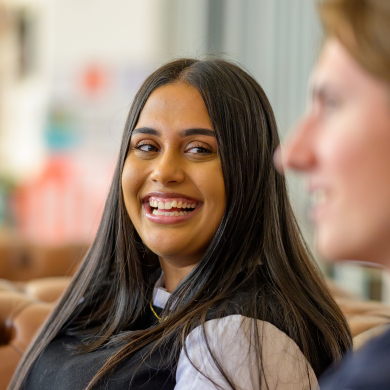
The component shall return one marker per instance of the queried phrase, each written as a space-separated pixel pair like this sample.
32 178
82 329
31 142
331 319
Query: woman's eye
332 104
146 148
199 150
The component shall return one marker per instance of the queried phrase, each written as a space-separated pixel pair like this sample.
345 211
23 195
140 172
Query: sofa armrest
20 319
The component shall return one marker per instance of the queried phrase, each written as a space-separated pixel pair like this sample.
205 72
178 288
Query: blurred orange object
94 80
63 205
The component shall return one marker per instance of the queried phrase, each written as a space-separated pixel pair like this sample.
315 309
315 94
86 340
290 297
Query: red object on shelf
94 80
63 205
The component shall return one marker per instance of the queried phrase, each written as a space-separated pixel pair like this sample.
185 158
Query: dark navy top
366 369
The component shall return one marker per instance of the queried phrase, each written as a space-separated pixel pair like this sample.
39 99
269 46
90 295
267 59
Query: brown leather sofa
23 261
25 305
23 309
20 318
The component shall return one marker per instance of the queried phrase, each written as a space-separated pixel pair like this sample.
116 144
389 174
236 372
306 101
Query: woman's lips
319 204
168 210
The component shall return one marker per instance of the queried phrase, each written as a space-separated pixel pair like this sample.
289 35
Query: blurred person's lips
319 199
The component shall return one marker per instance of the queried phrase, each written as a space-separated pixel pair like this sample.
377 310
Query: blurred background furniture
20 318
365 318
32 278
24 306
23 261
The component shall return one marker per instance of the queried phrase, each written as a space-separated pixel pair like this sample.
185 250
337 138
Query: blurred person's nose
297 153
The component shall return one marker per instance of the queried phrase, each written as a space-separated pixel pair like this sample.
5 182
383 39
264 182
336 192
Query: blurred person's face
342 144
172 179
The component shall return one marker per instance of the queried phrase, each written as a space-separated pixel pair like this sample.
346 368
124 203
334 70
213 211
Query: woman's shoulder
232 341
234 330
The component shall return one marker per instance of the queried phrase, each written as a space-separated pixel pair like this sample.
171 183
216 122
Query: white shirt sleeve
231 339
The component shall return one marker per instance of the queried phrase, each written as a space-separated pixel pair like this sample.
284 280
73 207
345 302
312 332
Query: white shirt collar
160 293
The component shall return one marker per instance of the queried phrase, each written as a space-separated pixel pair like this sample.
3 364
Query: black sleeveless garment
59 369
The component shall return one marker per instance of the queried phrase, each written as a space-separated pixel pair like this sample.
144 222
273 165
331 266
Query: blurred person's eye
330 102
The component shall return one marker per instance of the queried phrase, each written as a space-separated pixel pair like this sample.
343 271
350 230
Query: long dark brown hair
258 239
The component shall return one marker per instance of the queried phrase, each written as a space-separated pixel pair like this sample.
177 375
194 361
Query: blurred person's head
342 143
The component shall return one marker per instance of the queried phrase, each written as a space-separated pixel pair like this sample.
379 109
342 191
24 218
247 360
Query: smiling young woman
239 303
172 179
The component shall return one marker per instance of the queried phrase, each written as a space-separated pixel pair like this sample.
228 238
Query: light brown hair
363 27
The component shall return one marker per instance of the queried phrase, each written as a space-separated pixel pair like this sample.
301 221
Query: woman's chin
331 247
335 246
168 249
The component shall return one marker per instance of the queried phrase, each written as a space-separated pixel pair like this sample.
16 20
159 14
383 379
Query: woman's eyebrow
182 133
146 130
188 132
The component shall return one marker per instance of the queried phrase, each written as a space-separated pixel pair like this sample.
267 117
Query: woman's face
343 146
172 179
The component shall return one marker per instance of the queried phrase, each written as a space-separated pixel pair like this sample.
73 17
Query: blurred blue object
61 130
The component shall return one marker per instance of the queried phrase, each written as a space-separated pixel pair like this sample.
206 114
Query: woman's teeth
170 214
168 205
159 205
318 197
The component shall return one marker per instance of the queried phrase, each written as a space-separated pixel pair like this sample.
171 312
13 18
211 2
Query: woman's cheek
340 145
133 178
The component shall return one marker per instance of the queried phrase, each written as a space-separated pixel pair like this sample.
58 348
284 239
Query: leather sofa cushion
21 261
44 289
20 319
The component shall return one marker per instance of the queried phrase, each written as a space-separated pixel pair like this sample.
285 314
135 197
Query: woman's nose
298 151
168 169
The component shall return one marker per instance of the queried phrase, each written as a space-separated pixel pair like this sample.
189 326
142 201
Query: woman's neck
174 273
